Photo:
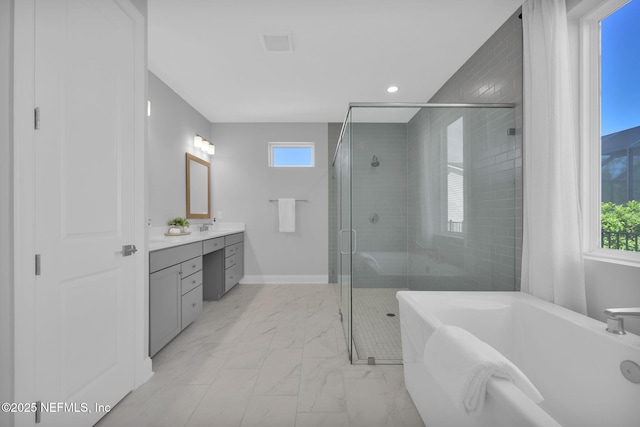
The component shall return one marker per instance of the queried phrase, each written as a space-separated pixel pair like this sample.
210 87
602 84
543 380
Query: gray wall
171 128
6 215
243 184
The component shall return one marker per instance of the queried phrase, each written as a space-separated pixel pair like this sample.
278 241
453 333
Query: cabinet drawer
191 266
230 261
191 306
232 239
212 245
231 278
191 282
232 250
171 256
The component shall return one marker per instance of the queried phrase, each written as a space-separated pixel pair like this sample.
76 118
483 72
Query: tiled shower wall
379 197
482 257
494 75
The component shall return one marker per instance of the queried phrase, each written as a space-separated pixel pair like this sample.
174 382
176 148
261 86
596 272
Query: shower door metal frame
348 328
345 225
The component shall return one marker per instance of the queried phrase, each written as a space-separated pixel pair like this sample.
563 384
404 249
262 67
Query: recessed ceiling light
392 89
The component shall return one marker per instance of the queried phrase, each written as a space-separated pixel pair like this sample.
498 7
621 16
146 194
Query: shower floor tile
374 333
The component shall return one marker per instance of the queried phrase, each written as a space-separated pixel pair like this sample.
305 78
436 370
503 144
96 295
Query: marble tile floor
267 356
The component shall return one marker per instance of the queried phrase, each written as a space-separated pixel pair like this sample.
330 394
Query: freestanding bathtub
570 358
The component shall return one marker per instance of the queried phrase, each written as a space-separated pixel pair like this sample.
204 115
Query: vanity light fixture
204 145
392 89
197 141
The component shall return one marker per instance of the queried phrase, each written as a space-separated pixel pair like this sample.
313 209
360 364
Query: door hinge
38 267
36 118
38 411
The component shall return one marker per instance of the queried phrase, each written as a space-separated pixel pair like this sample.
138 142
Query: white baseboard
143 372
285 279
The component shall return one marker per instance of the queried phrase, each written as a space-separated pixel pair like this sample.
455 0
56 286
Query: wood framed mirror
198 187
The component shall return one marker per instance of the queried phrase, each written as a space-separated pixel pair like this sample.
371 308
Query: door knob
128 250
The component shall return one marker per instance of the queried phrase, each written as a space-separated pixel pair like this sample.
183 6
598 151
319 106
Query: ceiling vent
277 43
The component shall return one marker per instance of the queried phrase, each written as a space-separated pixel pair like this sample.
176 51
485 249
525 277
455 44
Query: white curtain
552 264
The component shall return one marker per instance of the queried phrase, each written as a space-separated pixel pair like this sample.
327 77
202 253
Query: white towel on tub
287 215
462 365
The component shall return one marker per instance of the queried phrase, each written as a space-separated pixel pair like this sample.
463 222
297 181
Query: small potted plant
180 223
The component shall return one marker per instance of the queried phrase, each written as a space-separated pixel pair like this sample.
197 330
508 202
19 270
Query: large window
455 177
620 128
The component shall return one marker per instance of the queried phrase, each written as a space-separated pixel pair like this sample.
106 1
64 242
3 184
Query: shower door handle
341 245
355 241
353 250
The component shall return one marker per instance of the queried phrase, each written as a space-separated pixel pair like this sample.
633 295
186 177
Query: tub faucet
615 318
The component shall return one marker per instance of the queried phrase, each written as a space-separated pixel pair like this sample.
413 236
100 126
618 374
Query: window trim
589 75
272 145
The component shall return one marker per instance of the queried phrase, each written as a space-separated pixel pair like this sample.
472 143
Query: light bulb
197 141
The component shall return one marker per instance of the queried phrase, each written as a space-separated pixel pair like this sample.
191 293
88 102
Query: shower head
374 162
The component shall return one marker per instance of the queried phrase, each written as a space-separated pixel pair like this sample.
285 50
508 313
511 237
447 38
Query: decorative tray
178 234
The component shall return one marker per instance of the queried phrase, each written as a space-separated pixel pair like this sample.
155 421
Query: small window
291 154
455 177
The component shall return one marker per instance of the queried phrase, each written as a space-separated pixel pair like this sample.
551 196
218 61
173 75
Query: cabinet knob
193 266
193 282
193 305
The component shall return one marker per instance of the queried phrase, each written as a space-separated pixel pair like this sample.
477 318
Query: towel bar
297 200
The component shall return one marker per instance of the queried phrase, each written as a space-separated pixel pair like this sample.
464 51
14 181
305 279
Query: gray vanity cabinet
175 292
182 276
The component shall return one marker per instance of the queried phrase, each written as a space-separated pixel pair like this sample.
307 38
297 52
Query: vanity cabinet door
165 303
191 306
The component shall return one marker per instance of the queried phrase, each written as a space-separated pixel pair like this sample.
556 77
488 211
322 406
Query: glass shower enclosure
427 197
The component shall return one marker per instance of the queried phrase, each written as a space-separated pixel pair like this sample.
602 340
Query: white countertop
157 239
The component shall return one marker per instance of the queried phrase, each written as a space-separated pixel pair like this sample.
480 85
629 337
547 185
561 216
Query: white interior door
84 89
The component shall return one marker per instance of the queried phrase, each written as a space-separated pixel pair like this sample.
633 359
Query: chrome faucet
204 227
615 318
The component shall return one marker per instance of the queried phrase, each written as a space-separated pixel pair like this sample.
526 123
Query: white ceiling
211 52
